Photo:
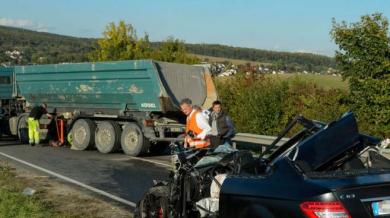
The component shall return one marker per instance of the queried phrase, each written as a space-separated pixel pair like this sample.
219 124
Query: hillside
22 47
258 55
280 60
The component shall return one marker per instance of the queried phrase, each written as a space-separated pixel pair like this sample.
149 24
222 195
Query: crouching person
33 123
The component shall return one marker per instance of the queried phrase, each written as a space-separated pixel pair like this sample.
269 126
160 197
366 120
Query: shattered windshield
219 153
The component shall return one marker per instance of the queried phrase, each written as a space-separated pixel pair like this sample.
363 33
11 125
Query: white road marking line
151 161
137 158
72 181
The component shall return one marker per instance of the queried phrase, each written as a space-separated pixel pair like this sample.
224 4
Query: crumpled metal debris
208 207
384 144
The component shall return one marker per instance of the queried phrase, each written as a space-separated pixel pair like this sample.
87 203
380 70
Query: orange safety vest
192 125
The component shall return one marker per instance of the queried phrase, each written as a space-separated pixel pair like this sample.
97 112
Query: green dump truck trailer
128 105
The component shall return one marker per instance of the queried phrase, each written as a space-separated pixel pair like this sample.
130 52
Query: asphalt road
116 174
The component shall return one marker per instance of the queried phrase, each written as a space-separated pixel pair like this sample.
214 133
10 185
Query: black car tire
83 134
23 129
108 137
155 203
133 141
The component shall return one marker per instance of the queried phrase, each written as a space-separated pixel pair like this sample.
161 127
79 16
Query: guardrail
252 140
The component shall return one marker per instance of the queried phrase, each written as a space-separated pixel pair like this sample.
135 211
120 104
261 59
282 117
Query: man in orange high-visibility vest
197 127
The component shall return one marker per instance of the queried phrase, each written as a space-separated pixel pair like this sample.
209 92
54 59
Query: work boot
31 142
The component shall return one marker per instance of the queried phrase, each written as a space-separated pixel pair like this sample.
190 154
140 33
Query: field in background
236 62
326 81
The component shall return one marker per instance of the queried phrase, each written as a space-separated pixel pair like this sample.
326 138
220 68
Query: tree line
41 48
47 48
121 42
258 55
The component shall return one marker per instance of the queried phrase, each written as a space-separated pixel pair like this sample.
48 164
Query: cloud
277 46
318 51
305 51
28 24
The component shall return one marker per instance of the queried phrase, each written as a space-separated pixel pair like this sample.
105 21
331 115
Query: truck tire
83 134
133 141
23 129
108 137
155 203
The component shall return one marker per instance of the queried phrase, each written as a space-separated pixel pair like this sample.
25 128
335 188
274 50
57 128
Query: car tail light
148 122
319 209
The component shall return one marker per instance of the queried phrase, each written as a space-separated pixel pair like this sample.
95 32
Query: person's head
44 105
217 107
186 106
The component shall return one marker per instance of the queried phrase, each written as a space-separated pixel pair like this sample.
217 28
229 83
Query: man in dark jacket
33 124
222 127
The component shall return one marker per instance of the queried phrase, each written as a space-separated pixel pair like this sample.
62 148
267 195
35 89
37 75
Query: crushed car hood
332 140
322 145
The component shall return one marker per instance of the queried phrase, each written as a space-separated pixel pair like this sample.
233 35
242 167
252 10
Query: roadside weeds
51 198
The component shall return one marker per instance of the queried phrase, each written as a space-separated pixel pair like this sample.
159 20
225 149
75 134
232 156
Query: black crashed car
326 170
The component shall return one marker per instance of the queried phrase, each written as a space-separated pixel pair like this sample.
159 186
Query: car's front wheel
155 203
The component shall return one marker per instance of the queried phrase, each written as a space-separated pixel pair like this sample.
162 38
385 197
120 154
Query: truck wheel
133 140
108 137
23 129
155 202
158 148
83 134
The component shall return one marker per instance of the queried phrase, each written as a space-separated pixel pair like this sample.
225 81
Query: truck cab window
5 80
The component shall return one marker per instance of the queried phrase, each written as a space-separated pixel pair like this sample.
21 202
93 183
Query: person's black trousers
215 141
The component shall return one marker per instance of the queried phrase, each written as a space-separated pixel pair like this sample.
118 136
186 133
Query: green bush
313 102
265 106
363 57
372 110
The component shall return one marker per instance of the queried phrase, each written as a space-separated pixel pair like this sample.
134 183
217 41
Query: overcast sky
279 25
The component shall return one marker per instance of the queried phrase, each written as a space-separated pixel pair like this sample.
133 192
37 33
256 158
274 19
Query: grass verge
51 199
